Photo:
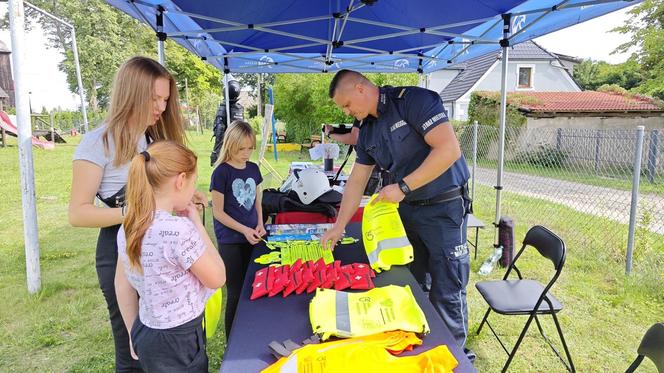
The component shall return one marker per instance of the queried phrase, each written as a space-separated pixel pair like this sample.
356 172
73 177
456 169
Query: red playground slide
8 126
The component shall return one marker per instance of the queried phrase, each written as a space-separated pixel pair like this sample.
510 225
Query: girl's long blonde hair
147 172
236 132
131 106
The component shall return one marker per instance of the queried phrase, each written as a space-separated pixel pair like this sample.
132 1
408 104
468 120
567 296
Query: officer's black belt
447 195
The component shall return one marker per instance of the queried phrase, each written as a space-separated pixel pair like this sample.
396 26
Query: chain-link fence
583 175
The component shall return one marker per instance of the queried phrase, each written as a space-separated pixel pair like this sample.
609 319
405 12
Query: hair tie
146 155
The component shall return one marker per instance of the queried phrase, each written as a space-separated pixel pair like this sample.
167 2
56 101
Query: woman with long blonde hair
168 266
143 108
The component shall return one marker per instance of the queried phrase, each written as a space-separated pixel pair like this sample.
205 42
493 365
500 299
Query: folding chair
652 346
528 297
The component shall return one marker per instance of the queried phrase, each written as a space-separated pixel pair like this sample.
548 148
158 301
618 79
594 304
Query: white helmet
311 183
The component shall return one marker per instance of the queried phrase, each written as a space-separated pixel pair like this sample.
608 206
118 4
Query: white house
530 69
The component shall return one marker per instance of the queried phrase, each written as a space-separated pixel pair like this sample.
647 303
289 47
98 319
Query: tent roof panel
424 35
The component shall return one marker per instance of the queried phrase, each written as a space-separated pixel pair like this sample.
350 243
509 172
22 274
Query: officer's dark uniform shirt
395 140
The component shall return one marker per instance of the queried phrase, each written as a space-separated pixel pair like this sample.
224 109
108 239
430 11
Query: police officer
409 137
220 122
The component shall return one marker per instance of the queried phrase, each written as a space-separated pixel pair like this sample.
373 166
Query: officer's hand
390 193
328 129
331 237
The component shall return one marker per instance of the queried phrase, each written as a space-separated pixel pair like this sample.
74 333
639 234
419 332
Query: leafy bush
256 123
484 108
544 156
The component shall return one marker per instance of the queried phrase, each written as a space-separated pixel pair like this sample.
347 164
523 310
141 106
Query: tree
105 37
645 26
202 80
301 100
586 73
593 74
628 74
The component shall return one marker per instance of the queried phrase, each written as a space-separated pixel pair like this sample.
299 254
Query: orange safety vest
374 353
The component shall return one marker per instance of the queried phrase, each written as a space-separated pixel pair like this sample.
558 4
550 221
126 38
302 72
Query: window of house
525 77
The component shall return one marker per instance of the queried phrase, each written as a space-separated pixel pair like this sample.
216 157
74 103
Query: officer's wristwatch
404 187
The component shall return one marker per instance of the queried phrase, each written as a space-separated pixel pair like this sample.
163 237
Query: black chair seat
514 297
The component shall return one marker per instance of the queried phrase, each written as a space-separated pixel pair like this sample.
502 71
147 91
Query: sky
48 85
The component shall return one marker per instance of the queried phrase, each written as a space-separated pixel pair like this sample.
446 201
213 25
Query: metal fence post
559 138
635 197
597 149
652 155
472 191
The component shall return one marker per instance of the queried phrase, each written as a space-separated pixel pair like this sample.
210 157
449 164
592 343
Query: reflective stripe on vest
390 243
343 316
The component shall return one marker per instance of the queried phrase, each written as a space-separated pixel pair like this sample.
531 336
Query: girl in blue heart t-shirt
236 205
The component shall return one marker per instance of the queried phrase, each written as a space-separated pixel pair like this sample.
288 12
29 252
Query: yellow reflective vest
373 353
378 310
384 236
212 313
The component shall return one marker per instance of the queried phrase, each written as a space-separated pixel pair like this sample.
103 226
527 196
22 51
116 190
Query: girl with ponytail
167 265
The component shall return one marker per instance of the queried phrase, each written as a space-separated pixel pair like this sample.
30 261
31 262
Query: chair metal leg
548 341
518 342
562 339
497 337
635 364
486 315
477 232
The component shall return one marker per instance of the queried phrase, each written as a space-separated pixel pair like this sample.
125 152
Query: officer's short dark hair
340 76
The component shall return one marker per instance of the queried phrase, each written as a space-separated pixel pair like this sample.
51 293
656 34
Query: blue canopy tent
301 36
363 35
267 36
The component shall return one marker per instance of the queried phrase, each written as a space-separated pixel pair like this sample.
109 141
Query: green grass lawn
65 326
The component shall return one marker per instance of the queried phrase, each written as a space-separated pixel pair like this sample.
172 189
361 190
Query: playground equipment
6 126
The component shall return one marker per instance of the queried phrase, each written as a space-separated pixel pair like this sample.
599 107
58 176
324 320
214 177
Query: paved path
600 201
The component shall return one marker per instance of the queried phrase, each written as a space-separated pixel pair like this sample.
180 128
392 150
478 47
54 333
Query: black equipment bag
274 201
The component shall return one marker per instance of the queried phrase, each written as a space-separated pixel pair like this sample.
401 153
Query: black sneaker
470 355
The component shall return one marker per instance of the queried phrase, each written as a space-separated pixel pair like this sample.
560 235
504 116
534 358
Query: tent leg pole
161 36
26 164
503 111
228 104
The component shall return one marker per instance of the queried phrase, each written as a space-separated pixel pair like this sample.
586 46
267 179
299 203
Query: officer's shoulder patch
400 92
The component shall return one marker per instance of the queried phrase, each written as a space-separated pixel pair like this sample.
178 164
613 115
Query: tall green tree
301 100
105 37
586 74
199 83
646 28
593 74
